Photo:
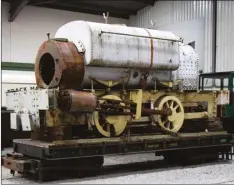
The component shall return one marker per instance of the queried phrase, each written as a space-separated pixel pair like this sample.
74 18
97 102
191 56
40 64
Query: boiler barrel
137 57
120 46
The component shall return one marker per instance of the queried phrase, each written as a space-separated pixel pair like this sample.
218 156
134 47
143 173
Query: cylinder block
77 101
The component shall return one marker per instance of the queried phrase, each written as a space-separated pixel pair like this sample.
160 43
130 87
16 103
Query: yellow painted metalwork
136 97
175 121
190 104
171 84
119 122
108 83
196 115
203 96
139 97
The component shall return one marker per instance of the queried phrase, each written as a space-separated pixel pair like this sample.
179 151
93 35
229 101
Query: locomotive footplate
72 154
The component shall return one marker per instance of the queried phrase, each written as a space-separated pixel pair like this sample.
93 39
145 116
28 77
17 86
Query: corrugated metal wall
225 36
173 12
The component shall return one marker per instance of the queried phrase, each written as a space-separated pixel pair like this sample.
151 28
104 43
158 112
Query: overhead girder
146 2
84 6
15 8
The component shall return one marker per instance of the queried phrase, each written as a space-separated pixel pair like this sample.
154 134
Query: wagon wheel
175 121
110 125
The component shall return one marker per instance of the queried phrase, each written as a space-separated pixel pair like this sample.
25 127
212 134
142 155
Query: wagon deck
115 146
43 158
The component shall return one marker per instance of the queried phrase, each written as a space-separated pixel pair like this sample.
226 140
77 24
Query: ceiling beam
82 10
15 8
145 2
38 2
96 7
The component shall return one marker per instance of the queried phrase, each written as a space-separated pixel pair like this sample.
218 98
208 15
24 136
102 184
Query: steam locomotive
103 80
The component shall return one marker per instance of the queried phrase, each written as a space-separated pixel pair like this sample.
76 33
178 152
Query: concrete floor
212 173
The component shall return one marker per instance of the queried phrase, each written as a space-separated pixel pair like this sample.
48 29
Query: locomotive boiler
102 80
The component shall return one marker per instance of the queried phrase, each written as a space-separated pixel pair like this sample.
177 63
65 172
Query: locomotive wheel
110 125
175 121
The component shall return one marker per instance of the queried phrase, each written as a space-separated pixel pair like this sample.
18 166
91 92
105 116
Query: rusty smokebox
59 64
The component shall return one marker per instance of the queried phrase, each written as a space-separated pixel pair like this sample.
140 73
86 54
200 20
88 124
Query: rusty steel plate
59 64
15 164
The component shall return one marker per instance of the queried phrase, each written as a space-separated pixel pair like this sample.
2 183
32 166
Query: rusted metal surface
55 133
151 49
114 112
143 82
108 105
16 163
58 63
130 77
59 133
58 117
145 111
116 140
164 112
65 67
117 145
223 97
127 102
77 101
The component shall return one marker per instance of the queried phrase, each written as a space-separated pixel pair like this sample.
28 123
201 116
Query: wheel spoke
108 127
164 122
174 121
167 104
112 130
167 124
104 125
171 125
172 104
176 107
115 127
